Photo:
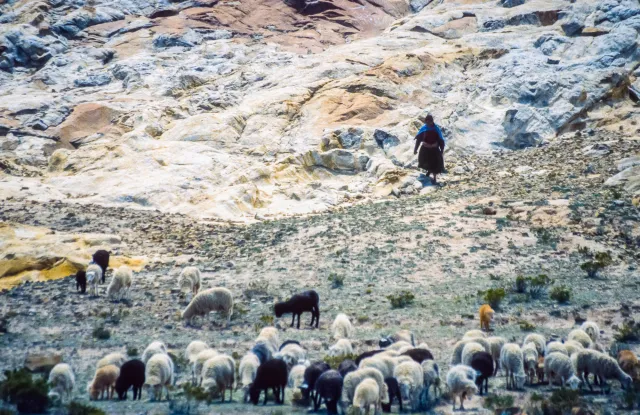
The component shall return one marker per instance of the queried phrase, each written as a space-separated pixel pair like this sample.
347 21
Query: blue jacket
426 128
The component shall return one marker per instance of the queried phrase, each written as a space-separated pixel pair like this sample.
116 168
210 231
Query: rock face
210 109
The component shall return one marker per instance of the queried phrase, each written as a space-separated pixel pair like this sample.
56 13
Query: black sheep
329 389
131 375
273 375
288 342
367 354
101 257
81 281
298 304
347 366
262 351
311 375
419 355
394 392
482 362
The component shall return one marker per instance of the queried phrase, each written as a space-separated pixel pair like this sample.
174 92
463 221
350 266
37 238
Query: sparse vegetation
267 320
494 296
493 401
520 285
132 351
600 262
539 285
401 300
561 294
561 401
21 389
336 280
526 326
629 332
334 361
100 332
78 408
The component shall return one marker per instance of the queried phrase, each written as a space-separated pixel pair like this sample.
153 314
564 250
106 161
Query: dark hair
428 118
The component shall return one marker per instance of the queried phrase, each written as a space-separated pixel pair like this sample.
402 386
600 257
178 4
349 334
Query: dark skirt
430 159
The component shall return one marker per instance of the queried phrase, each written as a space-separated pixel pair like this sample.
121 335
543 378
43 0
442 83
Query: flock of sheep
398 371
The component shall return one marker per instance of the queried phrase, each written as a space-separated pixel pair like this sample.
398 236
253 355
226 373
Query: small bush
337 281
539 285
629 332
498 401
601 261
520 285
77 408
526 326
562 400
101 333
132 351
363 319
29 395
561 294
334 361
402 299
494 296
196 393
267 319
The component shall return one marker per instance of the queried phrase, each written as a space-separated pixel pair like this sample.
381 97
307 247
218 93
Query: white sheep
158 375
104 381
399 345
352 379
555 347
495 348
601 365
341 348
191 352
219 372
382 362
296 376
291 354
431 376
341 327
558 367
573 346
538 340
61 382
94 275
213 299
461 383
189 280
199 362
581 337
155 347
120 284
424 346
469 350
474 334
592 330
410 379
511 360
456 356
269 335
247 372
115 358
530 360
405 349
367 393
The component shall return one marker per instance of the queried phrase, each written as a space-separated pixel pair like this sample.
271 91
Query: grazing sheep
629 363
411 380
581 337
601 365
341 348
310 376
538 340
247 372
367 393
399 345
352 380
573 346
431 376
296 376
131 375
558 367
469 350
269 336
103 382
219 372
347 366
189 280
61 382
199 362
512 361
530 360
399 336
495 348
540 369
213 299
419 355
394 394
384 363
291 354
592 330
482 363
456 356
486 317
158 375
94 275
263 350
271 375
555 347
101 258
341 327
298 304
328 388
155 347
287 342
474 334
120 283
370 353
191 352
115 358
81 281
461 383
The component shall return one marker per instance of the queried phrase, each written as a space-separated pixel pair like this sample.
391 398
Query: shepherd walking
431 144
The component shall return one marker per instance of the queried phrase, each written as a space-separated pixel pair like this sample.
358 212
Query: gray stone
511 3
92 80
385 140
572 27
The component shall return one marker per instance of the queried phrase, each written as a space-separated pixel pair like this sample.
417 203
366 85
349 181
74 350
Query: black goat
131 375
273 375
347 366
298 304
482 362
329 389
394 392
101 257
311 375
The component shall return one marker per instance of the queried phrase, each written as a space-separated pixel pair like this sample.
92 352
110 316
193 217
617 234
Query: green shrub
562 400
402 299
78 408
526 326
29 395
494 296
520 286
267 320
561 294
363 319
493 401
101 333
601 261
334 361
132 351
539 285
629 332
337 281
